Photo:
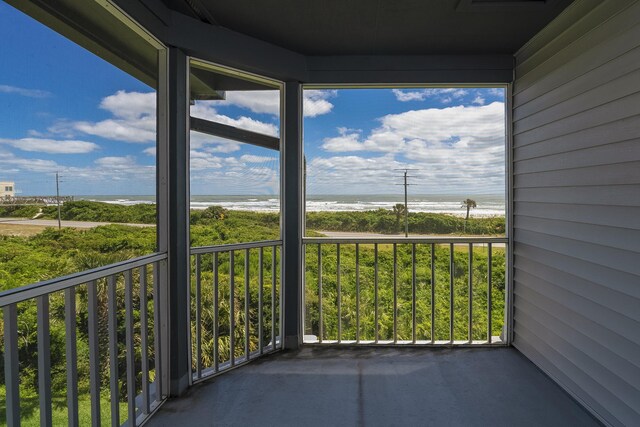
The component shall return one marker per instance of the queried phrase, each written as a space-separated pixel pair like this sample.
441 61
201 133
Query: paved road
54 223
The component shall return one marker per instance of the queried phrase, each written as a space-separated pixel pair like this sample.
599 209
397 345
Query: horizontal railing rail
376 290
110 312
234 246
24 293
402 240
236 308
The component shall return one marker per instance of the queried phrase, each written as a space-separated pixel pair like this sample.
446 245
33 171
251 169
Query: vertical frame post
161 269
292 213
173 196
508 336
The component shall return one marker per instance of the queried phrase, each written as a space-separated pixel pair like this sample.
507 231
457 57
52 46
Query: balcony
358 331
236 308
374 386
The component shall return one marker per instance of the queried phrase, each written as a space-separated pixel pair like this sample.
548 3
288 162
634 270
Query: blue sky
453 138
63 109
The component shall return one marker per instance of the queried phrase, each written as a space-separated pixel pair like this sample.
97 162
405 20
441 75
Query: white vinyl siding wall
576 191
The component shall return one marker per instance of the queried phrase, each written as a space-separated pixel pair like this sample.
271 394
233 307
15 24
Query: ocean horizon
487 205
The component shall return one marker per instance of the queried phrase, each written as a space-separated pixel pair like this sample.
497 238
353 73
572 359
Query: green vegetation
53 253
83 210
365 280
236 222
389 222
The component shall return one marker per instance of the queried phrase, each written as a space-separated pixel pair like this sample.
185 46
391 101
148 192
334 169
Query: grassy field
20 230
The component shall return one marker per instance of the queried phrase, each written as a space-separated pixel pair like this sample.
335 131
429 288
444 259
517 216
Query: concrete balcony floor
379 387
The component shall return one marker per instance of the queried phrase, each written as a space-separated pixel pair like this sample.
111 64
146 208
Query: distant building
7 189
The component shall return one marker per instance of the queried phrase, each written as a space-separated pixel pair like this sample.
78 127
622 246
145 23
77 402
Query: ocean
487 205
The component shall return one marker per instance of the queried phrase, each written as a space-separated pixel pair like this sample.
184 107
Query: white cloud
118 175
353 174
151 151
116 162
130 105
116 172
140 130
349 140
122 169
478 100
52 146
258 101
30 165
30 93
315 102
250 158
213 144
201 160
403 96
229 175
495 91
206 110
433 126
453 148
134 119
444 95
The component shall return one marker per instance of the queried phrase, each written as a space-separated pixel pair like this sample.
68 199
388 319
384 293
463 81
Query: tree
399 210
469 204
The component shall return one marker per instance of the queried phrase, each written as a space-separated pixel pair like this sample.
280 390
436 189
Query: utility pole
406 202
58 200
406 207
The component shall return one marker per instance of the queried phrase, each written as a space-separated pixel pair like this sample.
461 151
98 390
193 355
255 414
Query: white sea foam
446 204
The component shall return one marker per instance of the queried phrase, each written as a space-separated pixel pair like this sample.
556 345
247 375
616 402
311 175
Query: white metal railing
100 308
231 326
403 300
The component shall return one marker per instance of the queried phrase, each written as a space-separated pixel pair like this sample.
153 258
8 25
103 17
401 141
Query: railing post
11 373
173 217
292 214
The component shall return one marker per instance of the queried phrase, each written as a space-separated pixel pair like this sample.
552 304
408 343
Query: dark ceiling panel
384 27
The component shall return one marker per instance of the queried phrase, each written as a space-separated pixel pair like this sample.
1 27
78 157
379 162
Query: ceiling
381 27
